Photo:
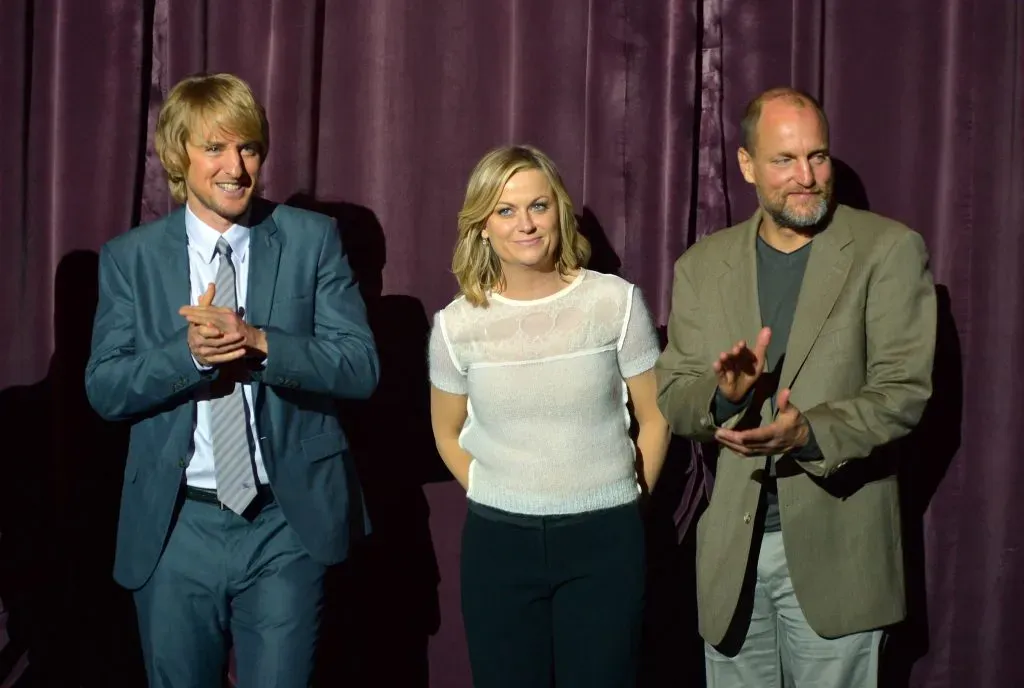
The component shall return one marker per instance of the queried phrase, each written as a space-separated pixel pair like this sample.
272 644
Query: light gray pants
781 650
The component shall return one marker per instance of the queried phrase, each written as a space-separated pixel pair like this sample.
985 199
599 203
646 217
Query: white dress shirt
203 262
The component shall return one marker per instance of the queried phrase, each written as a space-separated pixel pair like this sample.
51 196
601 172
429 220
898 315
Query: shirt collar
203 238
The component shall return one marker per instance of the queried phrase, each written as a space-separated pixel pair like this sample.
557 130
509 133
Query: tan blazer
858 362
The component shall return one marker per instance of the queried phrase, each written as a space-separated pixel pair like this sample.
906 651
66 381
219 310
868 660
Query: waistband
264 496
549 520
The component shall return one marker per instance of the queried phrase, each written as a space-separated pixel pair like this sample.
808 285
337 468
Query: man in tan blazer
800 348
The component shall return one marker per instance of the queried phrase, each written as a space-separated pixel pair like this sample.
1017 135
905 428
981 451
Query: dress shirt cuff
199 366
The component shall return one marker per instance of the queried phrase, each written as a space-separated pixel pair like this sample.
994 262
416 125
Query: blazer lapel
737 286
264 260
264 257
827 268
172 269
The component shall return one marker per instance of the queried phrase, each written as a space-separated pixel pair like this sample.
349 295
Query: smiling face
790 166
223 170
523 228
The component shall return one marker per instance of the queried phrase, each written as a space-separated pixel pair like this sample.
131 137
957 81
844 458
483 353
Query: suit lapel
264 257
737 286
827 268
264 260
172 268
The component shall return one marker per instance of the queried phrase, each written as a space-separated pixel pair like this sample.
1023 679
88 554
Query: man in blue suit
225 332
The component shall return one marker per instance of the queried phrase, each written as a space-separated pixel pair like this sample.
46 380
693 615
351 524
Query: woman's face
523 227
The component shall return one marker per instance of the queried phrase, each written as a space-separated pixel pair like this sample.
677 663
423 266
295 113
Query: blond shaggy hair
219 101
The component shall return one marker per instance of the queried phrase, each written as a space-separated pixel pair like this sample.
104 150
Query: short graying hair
752 114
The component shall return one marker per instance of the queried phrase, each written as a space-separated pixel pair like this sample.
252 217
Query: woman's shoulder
607 278
460 318
456 305
453 311
603 284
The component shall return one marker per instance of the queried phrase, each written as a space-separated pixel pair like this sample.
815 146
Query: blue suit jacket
302 293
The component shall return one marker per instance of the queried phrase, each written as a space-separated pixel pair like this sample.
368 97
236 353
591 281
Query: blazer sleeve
340 358
900 336
120 382
686 381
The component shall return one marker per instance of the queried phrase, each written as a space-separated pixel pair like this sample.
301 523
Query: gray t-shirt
779 279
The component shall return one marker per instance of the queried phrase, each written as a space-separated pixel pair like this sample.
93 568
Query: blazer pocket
324 446
833 325
293 313
286 298
838 342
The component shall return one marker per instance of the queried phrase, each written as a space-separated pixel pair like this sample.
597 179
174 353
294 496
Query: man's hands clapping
740 367
738 370
220 335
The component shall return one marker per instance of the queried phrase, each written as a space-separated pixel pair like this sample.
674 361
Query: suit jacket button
746 517
181 463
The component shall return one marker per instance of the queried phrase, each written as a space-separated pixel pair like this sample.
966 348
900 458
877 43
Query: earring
484 240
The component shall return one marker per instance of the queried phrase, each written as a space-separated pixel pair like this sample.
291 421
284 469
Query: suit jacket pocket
837 342
288 298
293 314
324 446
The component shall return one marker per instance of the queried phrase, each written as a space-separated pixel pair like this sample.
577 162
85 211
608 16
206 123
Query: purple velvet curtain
378 111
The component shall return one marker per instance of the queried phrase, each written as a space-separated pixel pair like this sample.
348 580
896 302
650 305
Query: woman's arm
653 438
447 416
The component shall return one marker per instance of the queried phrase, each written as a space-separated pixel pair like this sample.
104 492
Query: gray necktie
236 483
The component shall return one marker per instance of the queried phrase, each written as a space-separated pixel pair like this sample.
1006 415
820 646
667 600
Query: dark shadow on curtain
60 484
602 256
849 189
926 456
382 604
673 652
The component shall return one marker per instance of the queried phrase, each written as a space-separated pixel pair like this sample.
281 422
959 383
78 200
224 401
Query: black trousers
553 600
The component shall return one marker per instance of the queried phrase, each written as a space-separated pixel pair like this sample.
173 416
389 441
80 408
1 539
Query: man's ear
746 164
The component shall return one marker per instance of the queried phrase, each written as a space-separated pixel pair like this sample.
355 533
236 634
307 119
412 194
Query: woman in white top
531 368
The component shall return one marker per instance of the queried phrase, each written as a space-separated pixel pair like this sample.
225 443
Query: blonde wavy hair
222 101
476 267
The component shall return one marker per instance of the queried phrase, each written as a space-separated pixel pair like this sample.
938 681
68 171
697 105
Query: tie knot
223 247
